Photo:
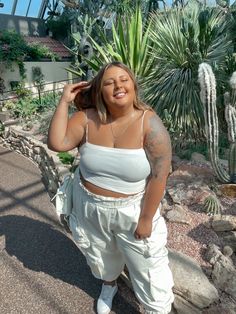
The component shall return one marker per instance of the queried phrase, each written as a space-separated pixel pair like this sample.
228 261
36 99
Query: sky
22 7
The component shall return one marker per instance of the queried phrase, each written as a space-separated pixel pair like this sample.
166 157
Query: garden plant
209 99
164 49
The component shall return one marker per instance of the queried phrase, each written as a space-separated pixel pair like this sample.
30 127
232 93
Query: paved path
41 269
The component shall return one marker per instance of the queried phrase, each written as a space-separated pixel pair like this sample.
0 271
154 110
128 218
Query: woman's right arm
66 133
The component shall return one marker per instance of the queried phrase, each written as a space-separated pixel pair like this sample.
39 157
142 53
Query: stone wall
51 168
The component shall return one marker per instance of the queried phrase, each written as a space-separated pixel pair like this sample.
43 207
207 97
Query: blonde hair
92 97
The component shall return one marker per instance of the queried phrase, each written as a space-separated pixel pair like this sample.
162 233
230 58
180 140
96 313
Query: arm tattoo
158 149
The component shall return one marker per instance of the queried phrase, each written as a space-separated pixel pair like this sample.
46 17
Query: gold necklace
124 129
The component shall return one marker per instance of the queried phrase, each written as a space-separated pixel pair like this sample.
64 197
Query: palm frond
180 43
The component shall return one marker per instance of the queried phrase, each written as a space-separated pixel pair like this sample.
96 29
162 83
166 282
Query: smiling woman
118 92
119 184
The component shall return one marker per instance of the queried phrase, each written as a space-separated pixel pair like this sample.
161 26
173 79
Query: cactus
208 97
212 205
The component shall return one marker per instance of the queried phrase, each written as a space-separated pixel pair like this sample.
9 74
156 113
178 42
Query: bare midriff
100 191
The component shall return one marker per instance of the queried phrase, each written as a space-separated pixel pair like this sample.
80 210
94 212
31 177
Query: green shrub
66 158
14 84
185 151
25 108
48 101
22 91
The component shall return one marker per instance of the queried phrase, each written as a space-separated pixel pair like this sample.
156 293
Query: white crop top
116 169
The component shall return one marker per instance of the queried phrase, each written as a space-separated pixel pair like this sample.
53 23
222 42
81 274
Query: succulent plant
212 205
208 97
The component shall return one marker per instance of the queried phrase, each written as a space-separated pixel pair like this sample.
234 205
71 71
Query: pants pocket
78 233
152 246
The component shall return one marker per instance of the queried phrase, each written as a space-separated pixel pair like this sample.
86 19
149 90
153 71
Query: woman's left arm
158 149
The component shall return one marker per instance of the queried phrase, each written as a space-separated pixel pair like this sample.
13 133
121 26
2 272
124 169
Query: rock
190 281
224 223
177 214
190 193
188 184
52 186
227 251
223 272
2 242
36 150
233 207
191 173
229 239
213 253
221 309
36 158
4 116
177 193
175 162
198 157
164 207
184 307
6 133
228 189
224 275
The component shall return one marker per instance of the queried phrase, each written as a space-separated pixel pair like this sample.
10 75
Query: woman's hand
144 228
71 90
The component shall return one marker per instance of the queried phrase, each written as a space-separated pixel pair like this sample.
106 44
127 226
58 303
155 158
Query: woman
125 156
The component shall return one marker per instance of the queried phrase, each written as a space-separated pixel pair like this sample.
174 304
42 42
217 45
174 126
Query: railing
11 94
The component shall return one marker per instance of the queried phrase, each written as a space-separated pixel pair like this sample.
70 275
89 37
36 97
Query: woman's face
117 88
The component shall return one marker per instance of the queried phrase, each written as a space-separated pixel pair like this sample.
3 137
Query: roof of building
54 45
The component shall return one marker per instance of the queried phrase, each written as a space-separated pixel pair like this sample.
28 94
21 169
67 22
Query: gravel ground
192 239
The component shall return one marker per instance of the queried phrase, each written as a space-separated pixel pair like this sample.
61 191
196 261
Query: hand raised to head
70 91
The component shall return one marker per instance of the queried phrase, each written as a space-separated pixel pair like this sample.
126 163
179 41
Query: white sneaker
105 299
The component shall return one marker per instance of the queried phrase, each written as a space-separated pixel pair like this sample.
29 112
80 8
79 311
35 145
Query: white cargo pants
103 229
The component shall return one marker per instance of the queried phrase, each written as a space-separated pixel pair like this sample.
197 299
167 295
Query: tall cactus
208 97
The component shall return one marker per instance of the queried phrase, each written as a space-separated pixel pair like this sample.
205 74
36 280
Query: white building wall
52 71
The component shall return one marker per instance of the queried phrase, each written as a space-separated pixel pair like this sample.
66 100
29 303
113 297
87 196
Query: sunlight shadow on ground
42 248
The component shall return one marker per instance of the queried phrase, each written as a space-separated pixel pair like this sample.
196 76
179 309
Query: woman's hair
92 96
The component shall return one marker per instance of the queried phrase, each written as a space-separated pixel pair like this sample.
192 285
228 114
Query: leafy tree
60 26
13 49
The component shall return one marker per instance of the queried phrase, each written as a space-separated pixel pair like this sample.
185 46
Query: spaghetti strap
142 122
86 128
